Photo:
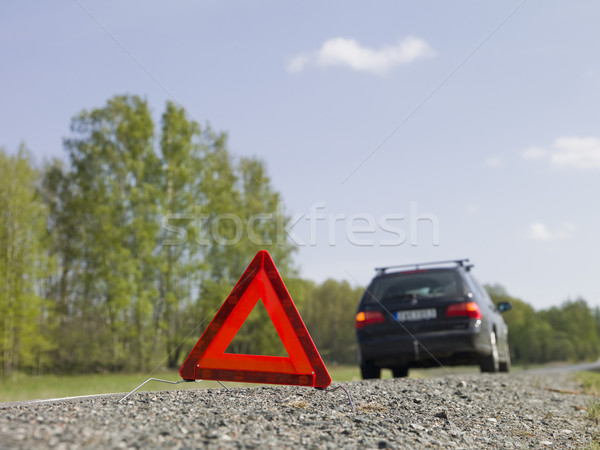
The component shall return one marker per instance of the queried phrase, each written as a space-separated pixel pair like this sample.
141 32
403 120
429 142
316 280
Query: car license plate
412 315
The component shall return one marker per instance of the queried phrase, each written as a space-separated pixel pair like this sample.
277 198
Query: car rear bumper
453 346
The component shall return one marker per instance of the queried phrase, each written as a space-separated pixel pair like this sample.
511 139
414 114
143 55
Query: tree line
114 257
117 256
569 332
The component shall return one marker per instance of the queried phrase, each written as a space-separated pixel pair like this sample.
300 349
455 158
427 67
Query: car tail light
367 318
466 309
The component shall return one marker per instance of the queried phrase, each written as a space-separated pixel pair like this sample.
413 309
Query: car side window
482 292
470 284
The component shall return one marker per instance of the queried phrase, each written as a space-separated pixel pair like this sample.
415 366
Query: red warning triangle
303 366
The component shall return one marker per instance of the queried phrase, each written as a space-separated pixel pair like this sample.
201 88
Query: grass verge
27 387
590 381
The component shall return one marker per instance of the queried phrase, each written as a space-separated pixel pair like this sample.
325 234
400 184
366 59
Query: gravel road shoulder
468 411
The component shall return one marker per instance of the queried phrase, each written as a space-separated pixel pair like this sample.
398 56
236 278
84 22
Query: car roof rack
458 262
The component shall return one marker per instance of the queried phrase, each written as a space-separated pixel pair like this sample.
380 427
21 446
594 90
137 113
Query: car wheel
369 371
400 371
490 363
504 366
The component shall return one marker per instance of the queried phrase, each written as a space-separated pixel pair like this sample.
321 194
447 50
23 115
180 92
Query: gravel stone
474 411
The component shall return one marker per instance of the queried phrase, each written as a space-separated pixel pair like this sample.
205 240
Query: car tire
490 363
369 371
400 371
504 366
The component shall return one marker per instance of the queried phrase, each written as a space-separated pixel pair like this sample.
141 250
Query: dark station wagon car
429 315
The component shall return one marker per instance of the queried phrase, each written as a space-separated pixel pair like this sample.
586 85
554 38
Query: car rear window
418 284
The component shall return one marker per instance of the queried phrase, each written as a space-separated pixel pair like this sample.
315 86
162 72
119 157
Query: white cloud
574 152
580 153
540 232
350 53
297 63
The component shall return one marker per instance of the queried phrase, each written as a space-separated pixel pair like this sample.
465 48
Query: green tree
71 314
22 264
575 334
329 312
181 259
565 333
241 215
109 198
150 234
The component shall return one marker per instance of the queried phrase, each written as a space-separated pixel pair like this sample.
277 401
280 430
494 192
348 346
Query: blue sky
467 128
